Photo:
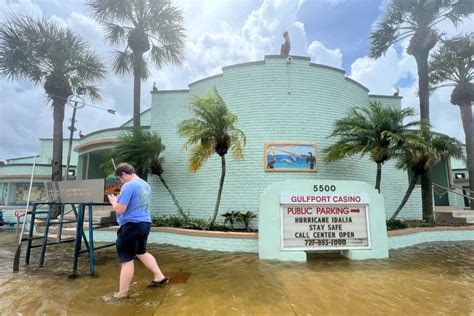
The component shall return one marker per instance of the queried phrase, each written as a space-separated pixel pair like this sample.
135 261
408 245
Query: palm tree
376 130
54 57
144 150
212 130
452 65
420 154
150 29
417 19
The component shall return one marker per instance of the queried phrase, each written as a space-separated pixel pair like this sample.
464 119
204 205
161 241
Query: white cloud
231 42
322 55
23 7
382 75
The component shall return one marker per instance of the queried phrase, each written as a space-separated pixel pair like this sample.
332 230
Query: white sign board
324 222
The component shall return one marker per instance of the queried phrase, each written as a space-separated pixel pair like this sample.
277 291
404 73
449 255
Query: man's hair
124 168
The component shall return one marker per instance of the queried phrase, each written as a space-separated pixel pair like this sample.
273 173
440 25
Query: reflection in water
427 279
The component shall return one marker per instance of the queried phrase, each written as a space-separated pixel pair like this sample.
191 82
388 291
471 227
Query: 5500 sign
324 188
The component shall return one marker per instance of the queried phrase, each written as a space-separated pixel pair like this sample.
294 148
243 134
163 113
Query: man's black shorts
131 240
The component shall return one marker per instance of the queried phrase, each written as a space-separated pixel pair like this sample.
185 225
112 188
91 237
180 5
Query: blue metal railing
80 235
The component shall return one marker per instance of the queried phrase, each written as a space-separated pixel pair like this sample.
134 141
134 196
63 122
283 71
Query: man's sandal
159 283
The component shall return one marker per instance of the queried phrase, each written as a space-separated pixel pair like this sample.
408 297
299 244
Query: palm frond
376 129
36 49
104 10
199 155
386 32
424 149
212 129
115 34
141 148
122 62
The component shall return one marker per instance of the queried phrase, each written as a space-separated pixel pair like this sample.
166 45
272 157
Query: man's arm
118 208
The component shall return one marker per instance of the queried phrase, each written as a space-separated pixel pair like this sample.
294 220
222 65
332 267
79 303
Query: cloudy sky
221 33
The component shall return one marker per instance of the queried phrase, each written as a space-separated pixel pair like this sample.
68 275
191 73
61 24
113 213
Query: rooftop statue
286 46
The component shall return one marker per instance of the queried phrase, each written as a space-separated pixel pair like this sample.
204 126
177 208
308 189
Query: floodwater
428 279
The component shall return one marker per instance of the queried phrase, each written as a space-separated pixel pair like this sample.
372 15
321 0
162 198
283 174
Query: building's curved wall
274 102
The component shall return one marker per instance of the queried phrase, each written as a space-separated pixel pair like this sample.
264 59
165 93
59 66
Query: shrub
246 218
201 223
394 224
196 223
168 221
231 218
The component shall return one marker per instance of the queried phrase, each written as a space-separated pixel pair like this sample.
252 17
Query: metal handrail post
30 233
61 220
45 236
83 234
91 241
79 232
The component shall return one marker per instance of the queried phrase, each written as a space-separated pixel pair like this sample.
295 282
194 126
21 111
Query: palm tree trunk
378 176
424 95
427 197
219 194
175 200
58 120
406 197
137 83
57 160
423 85
466 116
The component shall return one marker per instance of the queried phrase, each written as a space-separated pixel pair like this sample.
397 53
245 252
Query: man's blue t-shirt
136 195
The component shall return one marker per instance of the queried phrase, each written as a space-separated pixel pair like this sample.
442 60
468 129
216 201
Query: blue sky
345 25
222 33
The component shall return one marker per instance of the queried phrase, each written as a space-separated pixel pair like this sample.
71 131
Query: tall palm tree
144 150
376 130
212 130
149 29
420 154
452 65
417 20
54 57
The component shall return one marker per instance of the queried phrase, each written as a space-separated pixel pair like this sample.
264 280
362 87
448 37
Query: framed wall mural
291 157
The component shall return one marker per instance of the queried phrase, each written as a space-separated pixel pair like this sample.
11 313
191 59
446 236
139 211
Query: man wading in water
134 219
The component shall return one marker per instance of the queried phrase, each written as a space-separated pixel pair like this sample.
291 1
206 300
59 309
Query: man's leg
126 275
150 262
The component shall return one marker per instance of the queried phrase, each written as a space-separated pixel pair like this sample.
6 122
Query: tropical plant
246 218
376 130
417 20
420 154
144 150
453 65
394 224
149 29
54 57
231 218
212 130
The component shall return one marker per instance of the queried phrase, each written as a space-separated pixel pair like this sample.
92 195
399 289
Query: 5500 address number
324 188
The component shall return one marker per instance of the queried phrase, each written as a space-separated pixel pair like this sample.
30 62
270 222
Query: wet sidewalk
426 279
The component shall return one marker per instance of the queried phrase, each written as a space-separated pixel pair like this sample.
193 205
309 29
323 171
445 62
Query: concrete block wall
456 200
396 242
274 102
197 242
